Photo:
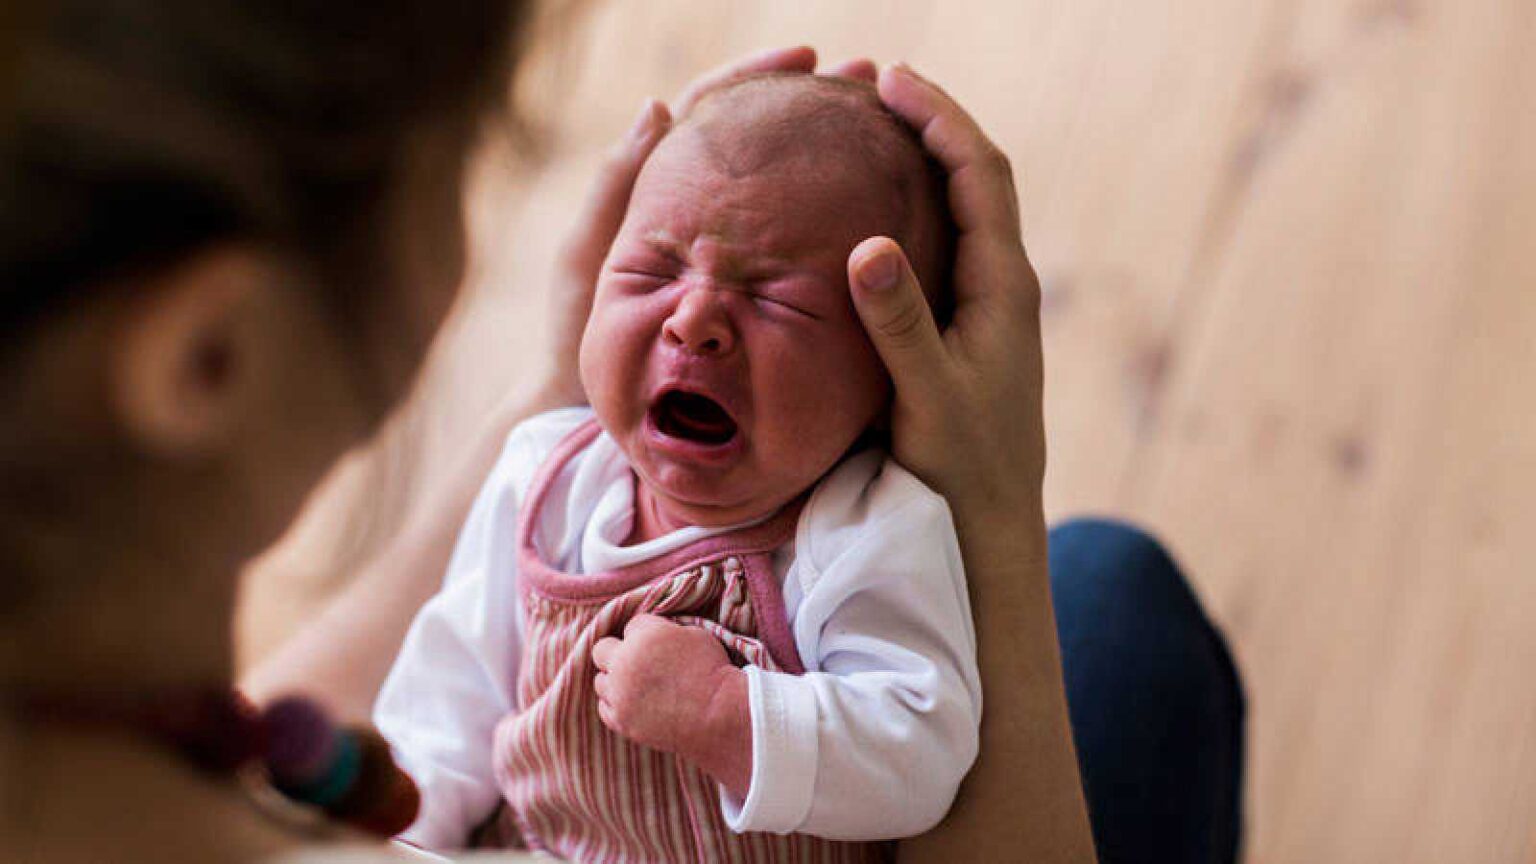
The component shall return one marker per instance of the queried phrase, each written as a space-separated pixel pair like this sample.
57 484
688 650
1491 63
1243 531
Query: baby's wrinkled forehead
820 126
805 120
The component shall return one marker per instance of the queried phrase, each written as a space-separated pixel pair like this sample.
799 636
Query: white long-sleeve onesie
870 743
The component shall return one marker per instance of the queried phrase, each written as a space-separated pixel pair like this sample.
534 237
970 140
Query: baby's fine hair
793 114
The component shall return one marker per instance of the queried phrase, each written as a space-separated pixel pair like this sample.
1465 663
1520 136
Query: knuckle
996 161
618 669
904 325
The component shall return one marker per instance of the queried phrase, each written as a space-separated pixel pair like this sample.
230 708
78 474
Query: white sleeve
873 741
453 679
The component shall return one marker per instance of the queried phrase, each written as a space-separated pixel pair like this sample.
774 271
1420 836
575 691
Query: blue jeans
1156 704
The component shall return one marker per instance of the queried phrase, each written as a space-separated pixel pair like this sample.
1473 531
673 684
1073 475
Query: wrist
1007 566
1006 525
723 749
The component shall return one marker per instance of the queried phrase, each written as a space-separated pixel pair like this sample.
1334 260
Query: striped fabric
581 792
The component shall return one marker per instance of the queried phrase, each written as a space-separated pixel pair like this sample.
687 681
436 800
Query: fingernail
880 271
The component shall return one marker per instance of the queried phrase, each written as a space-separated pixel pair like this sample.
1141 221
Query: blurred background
1289 257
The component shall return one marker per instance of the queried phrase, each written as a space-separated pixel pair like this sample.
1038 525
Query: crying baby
709 618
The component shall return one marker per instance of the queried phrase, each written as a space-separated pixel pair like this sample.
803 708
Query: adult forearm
342 656
1023 800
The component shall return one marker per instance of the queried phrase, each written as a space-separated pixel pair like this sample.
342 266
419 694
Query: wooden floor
1289 249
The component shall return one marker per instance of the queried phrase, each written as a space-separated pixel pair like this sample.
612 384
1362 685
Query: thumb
895 314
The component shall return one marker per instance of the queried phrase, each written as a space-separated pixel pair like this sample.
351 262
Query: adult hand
967 420
583 253
967 417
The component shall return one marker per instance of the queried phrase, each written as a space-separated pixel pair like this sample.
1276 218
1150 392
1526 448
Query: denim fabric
1156 703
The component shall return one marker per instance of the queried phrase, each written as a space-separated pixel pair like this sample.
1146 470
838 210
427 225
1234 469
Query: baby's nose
699 325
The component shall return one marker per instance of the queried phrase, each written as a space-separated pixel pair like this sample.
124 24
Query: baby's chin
687 495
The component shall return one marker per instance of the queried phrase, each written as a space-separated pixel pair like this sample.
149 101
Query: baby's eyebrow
665 243
726 262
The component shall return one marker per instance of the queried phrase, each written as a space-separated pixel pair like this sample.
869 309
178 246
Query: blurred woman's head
228 231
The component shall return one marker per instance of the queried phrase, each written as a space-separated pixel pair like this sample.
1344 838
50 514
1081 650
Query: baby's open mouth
692 417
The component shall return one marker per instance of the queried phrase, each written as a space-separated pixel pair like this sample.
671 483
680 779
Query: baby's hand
672 688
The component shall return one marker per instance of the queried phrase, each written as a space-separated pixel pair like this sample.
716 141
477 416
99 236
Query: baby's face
723 353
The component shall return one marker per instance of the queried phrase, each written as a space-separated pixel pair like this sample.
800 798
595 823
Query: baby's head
723 353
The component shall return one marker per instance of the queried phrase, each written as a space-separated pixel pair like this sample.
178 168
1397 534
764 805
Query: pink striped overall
581 792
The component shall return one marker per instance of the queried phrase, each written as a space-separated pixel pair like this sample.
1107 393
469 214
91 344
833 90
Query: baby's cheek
593 358
611 357
862 384
829 393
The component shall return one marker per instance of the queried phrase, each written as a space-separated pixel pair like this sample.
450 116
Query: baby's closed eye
794 295
644 272
650 260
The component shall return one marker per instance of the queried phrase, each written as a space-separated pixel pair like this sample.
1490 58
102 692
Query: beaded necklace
291 747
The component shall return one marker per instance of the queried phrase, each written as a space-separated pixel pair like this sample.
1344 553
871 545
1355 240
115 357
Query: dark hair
137 131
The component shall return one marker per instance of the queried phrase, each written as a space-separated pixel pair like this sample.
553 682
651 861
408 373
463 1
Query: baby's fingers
609 717
603 652
645 622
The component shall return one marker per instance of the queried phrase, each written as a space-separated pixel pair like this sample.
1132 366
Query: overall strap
761 538
544 478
